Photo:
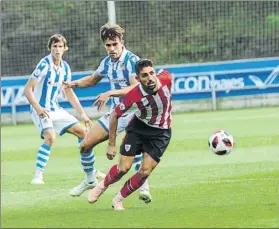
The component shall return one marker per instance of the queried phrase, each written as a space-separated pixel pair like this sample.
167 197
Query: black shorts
142 138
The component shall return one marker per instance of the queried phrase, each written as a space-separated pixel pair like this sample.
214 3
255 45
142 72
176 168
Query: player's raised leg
144 193
115 173
95 135
135 182
87 160
43 155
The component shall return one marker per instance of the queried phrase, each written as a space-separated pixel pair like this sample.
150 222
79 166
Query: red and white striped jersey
155 109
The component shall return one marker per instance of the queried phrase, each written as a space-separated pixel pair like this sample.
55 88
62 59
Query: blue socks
42 159
87 162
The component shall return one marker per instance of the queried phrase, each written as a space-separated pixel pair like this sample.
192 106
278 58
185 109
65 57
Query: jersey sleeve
131 66
102 70
126 103
165 77
40 71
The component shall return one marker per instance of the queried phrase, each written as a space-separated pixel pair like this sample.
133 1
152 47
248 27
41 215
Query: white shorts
123 122
60 120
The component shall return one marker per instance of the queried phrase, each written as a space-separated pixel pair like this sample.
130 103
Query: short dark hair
56 38
111 32
142 63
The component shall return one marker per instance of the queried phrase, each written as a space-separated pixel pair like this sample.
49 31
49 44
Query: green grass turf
191 187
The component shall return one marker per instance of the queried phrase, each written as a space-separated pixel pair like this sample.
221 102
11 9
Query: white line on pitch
236 180
232 118
154 186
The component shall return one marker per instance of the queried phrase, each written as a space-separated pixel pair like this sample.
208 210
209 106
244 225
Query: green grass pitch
191 187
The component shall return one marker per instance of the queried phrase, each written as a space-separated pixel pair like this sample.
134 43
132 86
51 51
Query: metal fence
169 32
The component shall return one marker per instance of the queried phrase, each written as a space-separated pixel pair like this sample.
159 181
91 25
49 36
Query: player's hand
111 152
88 123
43 113
67 84
63 90
101 100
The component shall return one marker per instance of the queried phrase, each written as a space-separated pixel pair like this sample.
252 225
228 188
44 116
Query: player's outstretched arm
103 98
124 91
70 94
87 81
111 149
28 91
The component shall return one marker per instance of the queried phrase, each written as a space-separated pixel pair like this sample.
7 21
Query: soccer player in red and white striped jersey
149 132
154 108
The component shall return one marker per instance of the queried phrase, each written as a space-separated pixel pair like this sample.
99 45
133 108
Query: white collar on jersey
144 93
122 57
52 64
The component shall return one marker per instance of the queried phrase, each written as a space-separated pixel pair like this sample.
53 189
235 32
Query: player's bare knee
123 169
80 133
50 139
84 147
144 172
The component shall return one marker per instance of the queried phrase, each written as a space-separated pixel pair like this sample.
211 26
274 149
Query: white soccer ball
221 142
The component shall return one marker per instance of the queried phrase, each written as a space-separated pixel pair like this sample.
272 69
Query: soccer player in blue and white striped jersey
41 91
119 68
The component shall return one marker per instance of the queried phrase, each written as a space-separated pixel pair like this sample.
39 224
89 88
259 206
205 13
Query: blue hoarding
191 82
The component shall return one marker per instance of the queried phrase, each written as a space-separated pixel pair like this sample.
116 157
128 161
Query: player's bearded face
114 48
57 50
147 78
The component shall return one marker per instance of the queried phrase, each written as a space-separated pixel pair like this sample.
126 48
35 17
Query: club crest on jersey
37 72
127 147
122 65
133 59
122 106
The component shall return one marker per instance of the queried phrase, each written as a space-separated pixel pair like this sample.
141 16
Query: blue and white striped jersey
119 72
50 78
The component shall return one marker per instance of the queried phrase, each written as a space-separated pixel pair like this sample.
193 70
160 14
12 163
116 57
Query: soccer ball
221 142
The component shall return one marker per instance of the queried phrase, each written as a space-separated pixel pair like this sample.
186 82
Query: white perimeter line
236 180
154 186
217 182
233 118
